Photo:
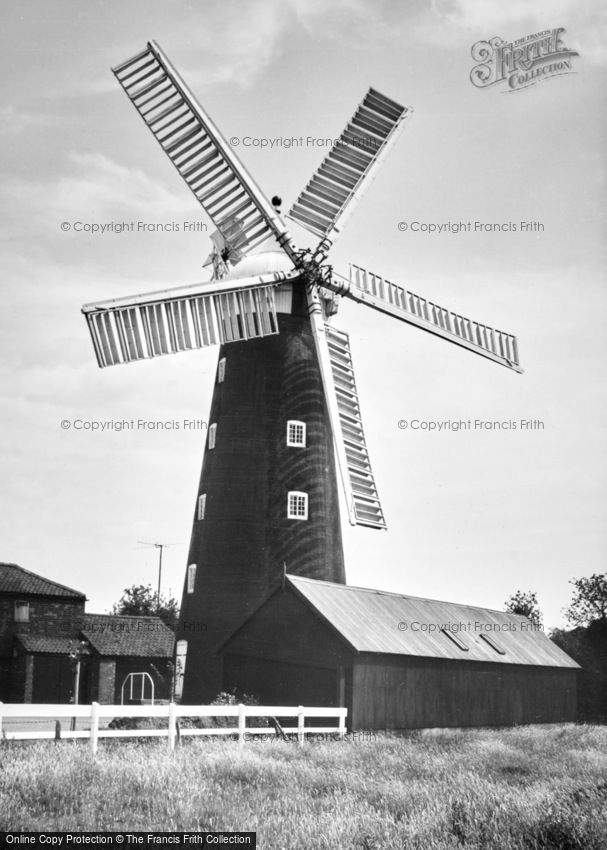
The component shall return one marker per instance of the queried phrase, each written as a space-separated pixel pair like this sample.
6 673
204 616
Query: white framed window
296 433
297 506
221 370
212 435
191 578
22 611
181 652
202 504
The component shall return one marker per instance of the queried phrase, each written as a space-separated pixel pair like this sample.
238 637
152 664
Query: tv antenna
160 547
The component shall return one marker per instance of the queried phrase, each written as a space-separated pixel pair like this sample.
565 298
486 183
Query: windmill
285 423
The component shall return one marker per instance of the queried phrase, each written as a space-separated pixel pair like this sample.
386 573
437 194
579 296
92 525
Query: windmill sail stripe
348 163
182 127
376 292
366 501
123 334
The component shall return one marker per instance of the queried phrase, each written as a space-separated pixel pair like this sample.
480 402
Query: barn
398 662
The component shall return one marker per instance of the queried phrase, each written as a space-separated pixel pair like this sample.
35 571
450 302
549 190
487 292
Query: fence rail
172 713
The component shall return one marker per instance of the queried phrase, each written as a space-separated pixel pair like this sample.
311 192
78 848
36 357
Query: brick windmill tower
285 431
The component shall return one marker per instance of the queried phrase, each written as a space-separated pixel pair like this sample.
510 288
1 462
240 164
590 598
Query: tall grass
529 787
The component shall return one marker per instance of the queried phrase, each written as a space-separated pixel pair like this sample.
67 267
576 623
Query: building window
297 507
296 433
491 642
202 503
181 652
455 639
191 577
22 612
212 435
221 370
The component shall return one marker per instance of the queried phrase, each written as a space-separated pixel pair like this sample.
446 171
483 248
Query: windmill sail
335 362
338 183
199 152
367 506
170 321
388 297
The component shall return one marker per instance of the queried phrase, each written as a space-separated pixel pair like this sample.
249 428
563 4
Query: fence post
242 723
1 727
94 726
172 726
342 723
300 726
57 730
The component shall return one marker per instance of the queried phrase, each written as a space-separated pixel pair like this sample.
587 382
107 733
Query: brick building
45 633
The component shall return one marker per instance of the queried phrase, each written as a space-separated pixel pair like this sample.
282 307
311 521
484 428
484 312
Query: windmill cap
267 258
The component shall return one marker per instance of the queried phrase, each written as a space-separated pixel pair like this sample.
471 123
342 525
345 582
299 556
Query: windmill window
454 639
191 578
297 507
212 435
22 612
491 642
221 370
296 433
202 503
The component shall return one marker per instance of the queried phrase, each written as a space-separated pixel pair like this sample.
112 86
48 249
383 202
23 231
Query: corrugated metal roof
14 579
145 637
46 644
390 623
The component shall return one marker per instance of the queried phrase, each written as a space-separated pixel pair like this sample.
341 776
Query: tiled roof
390 623
14 579
45 643
144 637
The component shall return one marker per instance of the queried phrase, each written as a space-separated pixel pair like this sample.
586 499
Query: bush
225 698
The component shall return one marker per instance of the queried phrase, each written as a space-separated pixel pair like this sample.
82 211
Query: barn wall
106 680
284 629
279 683
5 678
415 693
18 678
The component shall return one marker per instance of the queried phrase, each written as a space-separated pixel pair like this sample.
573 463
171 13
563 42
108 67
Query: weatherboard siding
285 630
419 692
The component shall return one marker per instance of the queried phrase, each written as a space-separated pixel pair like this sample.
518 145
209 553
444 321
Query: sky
473 515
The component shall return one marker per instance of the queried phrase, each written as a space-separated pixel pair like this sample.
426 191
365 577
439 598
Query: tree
589 600
141 600
525 602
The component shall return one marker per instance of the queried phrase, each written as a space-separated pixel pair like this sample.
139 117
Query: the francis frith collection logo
521 63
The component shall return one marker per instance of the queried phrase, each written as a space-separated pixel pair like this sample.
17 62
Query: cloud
231 45
14 121
91 185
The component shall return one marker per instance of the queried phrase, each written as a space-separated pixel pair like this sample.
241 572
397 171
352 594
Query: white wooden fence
172 713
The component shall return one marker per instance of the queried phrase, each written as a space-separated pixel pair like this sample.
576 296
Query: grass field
529 787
